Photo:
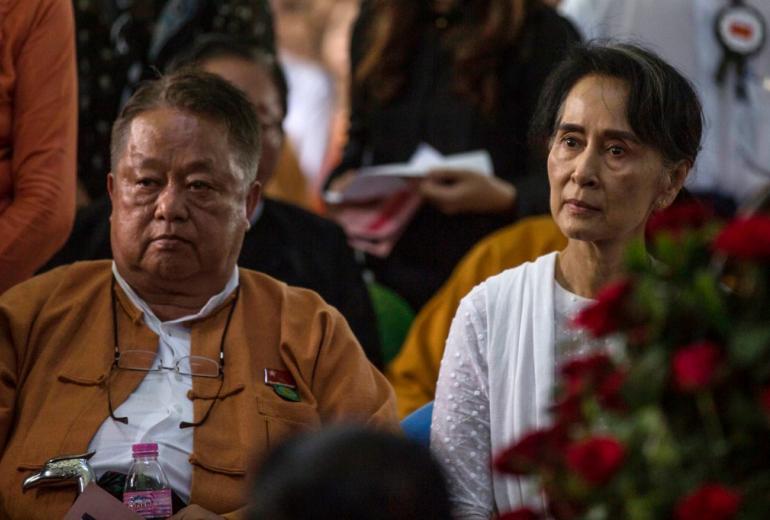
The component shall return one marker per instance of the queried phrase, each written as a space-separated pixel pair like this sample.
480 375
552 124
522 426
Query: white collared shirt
159 403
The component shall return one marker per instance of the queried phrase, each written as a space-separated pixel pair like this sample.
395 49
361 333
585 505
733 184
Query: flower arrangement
676 424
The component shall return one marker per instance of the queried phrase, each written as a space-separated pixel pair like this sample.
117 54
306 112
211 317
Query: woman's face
604 181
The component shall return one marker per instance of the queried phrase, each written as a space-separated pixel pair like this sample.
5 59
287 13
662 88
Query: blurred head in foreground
348 472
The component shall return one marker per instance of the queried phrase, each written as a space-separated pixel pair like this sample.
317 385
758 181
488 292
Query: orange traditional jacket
56 350
38 132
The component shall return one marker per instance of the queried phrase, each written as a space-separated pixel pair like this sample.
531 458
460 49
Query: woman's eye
616 151
570 142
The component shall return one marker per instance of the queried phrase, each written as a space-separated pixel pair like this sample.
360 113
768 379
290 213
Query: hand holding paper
380 181
463 191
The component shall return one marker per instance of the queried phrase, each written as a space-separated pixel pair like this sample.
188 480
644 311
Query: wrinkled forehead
178 138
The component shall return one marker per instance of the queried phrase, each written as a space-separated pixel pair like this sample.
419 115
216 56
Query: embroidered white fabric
460 432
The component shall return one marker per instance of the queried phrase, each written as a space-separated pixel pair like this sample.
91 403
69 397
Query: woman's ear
675 178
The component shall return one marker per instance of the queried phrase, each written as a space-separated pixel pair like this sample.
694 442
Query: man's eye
145 182
199 186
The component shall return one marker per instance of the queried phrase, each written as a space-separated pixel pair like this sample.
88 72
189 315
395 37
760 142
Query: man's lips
579 204
169 240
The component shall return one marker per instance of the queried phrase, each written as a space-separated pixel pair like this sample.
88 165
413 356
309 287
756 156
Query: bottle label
155 503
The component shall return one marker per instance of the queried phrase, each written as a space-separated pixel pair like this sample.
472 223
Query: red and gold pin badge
283 384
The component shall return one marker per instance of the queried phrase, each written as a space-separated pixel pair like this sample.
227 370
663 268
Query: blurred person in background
300 28
459 76
38 134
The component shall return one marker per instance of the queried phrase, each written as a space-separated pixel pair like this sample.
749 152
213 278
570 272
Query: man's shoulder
69 283
66 276
263 286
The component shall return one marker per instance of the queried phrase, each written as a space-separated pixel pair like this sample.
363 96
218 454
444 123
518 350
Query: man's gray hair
202 94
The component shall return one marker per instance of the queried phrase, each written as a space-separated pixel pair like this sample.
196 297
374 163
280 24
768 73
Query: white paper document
379 181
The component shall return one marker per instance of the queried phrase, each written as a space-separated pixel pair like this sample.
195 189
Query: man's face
179 204
258 85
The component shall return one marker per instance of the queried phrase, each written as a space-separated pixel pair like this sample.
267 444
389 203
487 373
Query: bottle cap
149 448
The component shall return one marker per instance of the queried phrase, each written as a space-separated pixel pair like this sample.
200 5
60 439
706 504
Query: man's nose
171 204
586 171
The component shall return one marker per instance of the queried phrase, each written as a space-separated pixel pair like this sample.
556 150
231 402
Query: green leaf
647 379
749 344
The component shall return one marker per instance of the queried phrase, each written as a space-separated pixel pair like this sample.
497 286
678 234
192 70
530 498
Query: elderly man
284 241
170 342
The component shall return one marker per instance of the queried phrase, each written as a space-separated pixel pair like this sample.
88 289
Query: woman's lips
580 206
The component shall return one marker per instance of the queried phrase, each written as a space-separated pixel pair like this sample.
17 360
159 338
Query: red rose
764 399
533 450
709 502
593 373
609 391
568 410
595 459
523 513
746 238
586 368
693 366
678 217
605 315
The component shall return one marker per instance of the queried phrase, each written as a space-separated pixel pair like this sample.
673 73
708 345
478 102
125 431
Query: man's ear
252 198
110 184
674 182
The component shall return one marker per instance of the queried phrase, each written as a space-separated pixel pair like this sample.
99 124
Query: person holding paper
458 76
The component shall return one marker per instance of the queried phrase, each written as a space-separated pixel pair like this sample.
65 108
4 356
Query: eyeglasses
144 361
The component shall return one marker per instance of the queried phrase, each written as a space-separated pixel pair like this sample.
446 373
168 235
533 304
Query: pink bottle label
149 504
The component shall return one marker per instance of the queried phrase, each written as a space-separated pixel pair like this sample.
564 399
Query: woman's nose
586 169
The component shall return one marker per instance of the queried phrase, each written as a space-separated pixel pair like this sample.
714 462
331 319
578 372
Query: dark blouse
428 110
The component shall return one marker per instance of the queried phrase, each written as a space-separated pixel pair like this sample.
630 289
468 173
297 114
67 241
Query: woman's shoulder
495 292
527 270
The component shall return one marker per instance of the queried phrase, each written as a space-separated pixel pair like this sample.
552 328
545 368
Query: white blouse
464 435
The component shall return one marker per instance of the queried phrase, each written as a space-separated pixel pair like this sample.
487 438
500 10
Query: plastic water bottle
146 491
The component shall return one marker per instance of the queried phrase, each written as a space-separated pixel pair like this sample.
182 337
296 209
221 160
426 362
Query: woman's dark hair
203 94
350 472
213 46
662 109
478 45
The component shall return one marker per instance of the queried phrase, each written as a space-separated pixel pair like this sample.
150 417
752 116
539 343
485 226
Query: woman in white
622 129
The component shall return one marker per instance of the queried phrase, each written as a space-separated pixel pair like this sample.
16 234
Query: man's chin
169 269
